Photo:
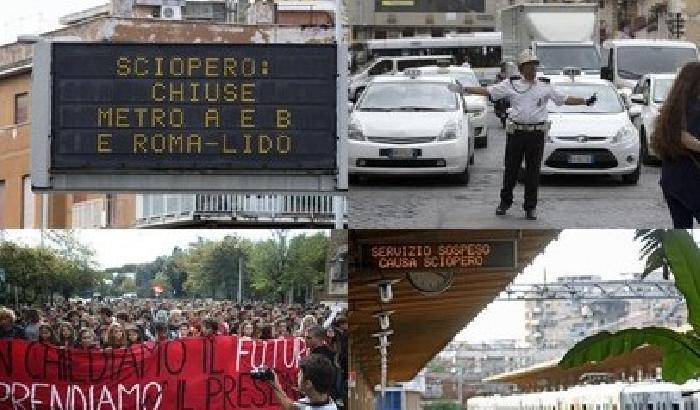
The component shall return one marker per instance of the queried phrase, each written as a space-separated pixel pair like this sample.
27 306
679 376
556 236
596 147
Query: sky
117 247
606 253
36 16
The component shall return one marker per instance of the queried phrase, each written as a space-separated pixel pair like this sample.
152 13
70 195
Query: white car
410 125
476 104
599 139
388 65
650 93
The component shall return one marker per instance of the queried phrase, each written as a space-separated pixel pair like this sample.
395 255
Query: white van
625 61
390 65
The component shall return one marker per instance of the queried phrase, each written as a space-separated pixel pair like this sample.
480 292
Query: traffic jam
406 119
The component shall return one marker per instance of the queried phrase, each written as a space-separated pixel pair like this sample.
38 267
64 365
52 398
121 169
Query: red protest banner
187 374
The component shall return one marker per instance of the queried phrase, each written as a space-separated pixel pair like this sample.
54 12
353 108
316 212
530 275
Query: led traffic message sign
193 107
440 256
430 6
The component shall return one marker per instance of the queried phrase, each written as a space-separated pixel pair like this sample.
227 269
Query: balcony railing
154 210
89 214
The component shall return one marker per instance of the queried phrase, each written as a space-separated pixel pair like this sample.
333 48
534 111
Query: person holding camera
316 379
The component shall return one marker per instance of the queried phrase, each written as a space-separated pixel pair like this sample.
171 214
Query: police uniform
525 137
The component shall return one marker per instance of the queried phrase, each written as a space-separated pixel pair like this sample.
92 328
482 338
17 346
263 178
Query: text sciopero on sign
122 106
440 256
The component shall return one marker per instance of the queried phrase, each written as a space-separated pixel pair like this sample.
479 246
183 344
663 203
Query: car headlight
449 132
625 133
355 132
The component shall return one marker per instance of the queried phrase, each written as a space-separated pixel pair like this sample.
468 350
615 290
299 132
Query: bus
481 50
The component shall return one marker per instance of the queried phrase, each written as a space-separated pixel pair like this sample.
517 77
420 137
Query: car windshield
466 78
634 62
661 87
365 66
608 100
408 96
558 57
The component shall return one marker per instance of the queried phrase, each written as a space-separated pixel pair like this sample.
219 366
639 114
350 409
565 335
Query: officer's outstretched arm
477 90
581 101
575 101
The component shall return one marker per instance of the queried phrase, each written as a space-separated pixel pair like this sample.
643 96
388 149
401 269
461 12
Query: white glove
455 88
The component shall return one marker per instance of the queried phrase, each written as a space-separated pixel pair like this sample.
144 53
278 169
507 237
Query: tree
279 265
653 251
41 272
128 285
442 406
146 273
681 352
198 281
174 270
268 263
161 280
79 265
212 267
307 260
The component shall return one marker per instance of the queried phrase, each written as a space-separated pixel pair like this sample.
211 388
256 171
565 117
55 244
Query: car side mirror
351 106
606 73
637 98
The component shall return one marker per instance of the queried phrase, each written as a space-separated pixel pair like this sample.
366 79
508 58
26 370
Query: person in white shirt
316 379
528 119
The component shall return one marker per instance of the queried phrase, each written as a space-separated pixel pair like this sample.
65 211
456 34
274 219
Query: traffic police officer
526 128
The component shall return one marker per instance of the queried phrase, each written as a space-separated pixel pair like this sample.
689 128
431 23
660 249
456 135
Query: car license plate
401 153
580 159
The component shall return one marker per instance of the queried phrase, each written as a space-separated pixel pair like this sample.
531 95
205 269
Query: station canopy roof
549 375
424 324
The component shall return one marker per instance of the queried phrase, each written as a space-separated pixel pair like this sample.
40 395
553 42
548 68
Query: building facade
378 19
553 326
145 21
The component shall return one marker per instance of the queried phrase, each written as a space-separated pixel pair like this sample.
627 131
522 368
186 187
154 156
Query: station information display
500 254
430 6
193 107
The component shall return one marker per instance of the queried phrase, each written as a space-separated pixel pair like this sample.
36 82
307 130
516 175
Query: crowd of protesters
122 323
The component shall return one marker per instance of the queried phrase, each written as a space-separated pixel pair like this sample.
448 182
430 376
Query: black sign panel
442 256
194 107
430 6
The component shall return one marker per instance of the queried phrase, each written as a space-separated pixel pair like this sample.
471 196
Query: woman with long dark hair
134 335
46 334
677 142
116 337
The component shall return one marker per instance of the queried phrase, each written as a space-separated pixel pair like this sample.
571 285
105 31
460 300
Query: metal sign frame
298 181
